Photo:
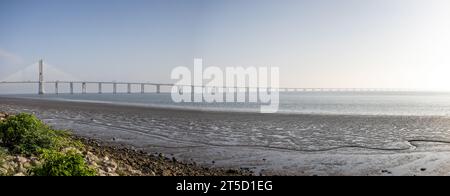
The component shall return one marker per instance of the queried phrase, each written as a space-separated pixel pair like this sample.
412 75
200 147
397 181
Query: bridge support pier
158 89
129 88
71 88
41 77
100 88
56 87
142 88
114 88
83 88
247 95
192 93
236 93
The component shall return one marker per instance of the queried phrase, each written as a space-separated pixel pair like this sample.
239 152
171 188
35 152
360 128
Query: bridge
99 84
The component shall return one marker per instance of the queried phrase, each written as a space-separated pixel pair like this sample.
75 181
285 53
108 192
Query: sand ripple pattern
181 129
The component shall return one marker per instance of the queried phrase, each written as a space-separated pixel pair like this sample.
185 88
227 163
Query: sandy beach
267 144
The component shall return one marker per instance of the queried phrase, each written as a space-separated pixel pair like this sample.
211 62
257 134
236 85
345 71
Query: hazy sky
316 43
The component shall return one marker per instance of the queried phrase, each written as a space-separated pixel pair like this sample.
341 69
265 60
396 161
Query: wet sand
268 144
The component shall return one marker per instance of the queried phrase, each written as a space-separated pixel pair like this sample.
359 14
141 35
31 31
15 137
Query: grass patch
70 163
26 134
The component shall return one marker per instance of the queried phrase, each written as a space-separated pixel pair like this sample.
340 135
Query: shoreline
156 164
108 159
224 140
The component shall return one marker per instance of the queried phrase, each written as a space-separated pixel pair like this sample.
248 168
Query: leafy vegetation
70 163
26 134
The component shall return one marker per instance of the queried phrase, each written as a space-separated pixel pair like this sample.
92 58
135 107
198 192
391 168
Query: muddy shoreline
156 164
112 159
266 144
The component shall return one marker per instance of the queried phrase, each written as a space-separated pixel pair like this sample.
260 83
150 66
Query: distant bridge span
158 86
143 85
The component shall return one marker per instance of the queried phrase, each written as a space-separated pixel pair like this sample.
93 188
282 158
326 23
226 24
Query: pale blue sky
316 43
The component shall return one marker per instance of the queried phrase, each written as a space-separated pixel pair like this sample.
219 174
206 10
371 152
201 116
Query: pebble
21 169
13 164
167 173
109 170
113 174
19 174
35 163
27 165
21 159
113 165
93 164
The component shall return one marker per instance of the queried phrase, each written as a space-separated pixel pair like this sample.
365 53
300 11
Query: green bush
56 163
26 134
